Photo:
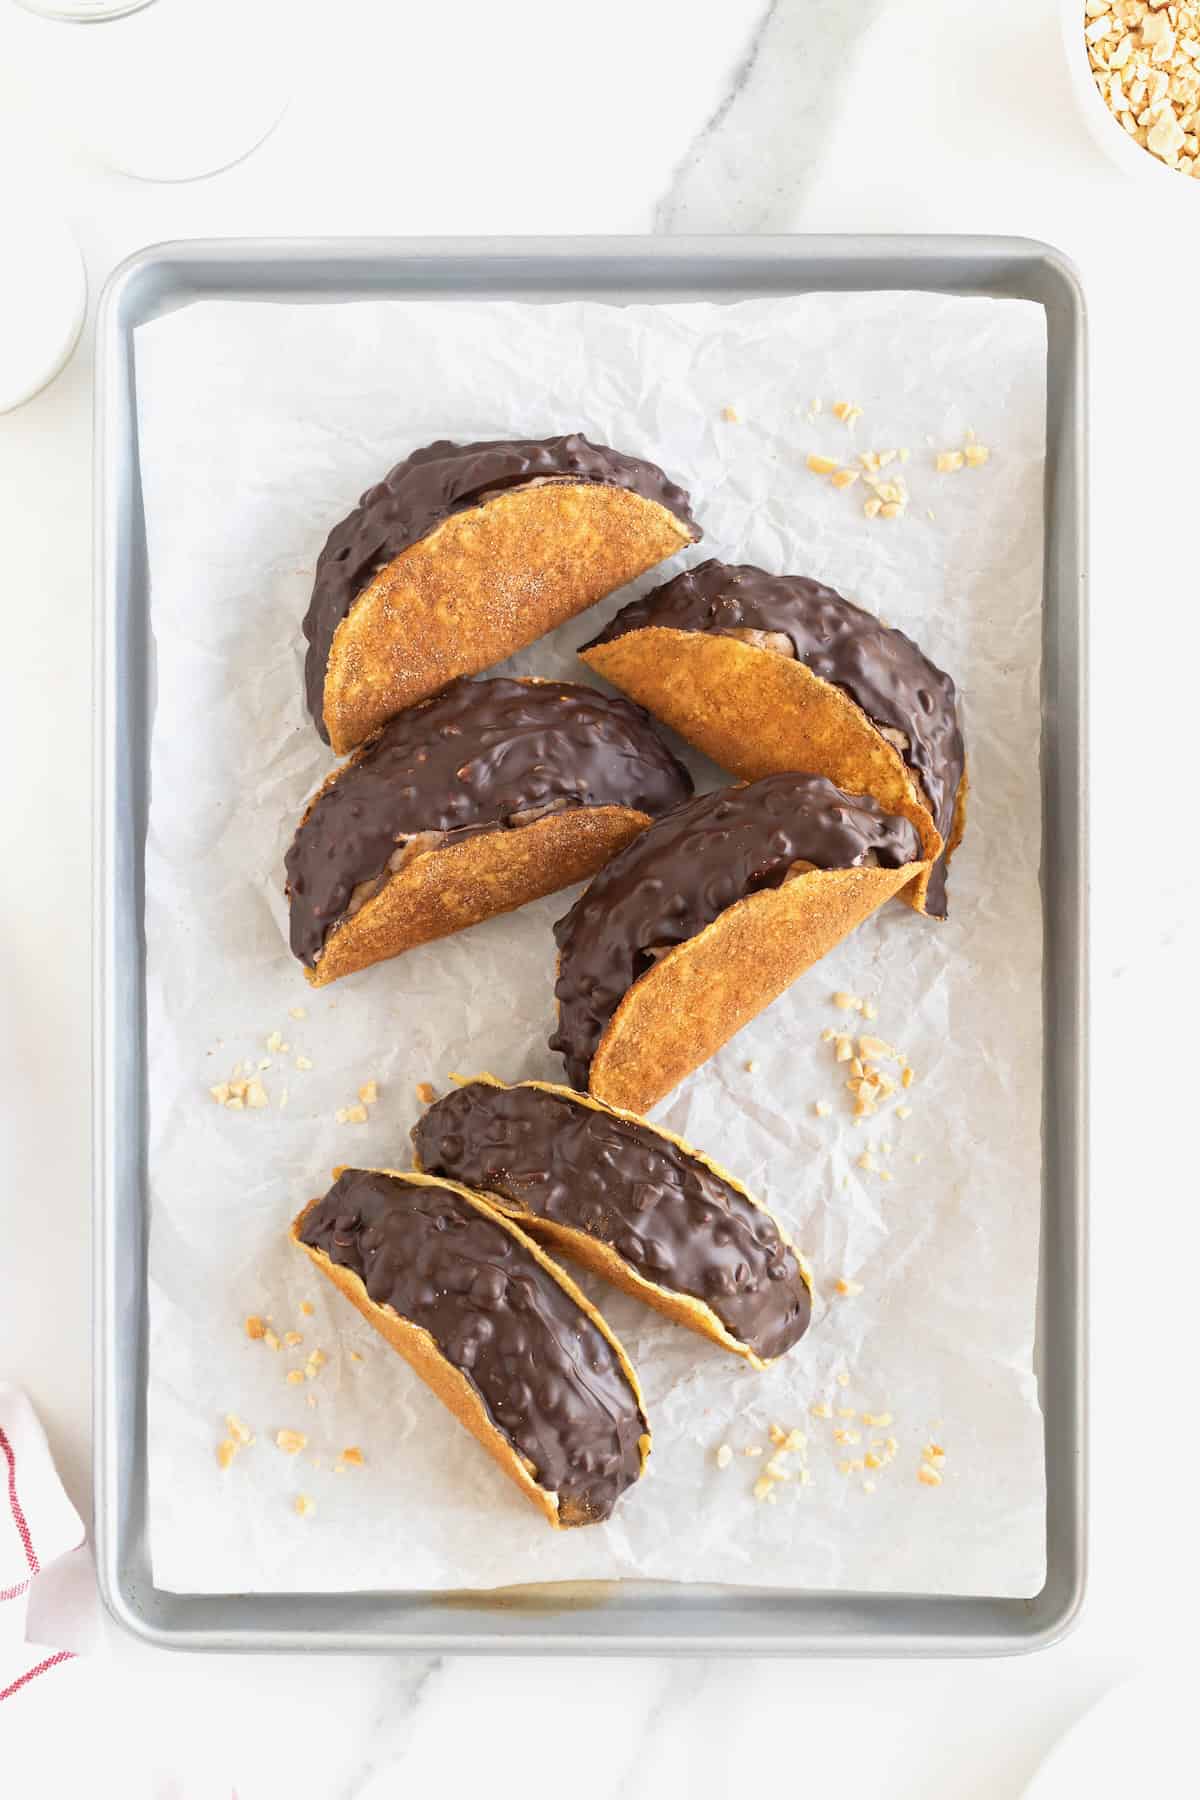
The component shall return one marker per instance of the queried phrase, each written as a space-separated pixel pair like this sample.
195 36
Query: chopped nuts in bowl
1135 66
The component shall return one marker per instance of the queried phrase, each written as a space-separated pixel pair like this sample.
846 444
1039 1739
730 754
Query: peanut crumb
368 1093
891 1445
795 1441
764 1488
844 1435
880 1419
842 1380
873 507
821 1409
892 509
220 1093
828 1035
872 1461
869 1009
844 478
907 1079
821 465
752 1450
904 1112
866 1161
752 1067
976 455
354 1456
822 1108
948 462
238 1429
255 1327
292 1338
729 414
776 1433
873 1046
226 1451
355 1357
307 1308
291 1441
295 1377
276 1045
846 411
426 1093
847 1002
724 1456
304 1506
351 1115
776 1471
270 1339
297 1012
843 1048
304 1062
929 1476
848 1288
844 1468
847 1412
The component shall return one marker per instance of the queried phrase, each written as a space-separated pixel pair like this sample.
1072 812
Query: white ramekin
1110 136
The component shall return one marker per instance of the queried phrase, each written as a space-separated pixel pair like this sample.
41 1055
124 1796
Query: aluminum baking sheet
626 1616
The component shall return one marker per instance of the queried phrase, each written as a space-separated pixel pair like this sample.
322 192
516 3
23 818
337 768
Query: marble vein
748 169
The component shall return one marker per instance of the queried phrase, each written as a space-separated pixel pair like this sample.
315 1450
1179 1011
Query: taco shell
448 1382
485 582
756 713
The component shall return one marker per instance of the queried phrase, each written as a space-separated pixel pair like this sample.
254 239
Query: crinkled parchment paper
260 425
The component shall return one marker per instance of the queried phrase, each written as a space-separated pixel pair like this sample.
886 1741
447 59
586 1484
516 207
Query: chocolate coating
880 668
550 1380
685 869
426 488
665 1213
467 761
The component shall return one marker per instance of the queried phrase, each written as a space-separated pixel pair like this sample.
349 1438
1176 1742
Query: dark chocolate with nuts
426 488
687 868
670 1217
881 669
550 1380
480 756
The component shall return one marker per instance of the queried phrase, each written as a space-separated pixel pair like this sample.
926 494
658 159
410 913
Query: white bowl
1110 135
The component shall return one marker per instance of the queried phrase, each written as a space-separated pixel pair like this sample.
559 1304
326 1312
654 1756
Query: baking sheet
257 431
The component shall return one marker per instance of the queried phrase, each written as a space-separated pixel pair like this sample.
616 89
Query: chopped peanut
724 1456
255 1327
291 1441
822 465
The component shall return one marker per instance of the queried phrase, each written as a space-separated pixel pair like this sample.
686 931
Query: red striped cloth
39 1531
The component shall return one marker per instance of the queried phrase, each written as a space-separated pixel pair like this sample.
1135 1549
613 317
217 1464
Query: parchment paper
260 425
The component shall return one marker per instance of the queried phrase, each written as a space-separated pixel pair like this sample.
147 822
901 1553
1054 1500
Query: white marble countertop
804 115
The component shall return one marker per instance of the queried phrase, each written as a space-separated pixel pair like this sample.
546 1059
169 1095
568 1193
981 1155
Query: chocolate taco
465 553
709 915
629 1201
470 804
766 673
503 1337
